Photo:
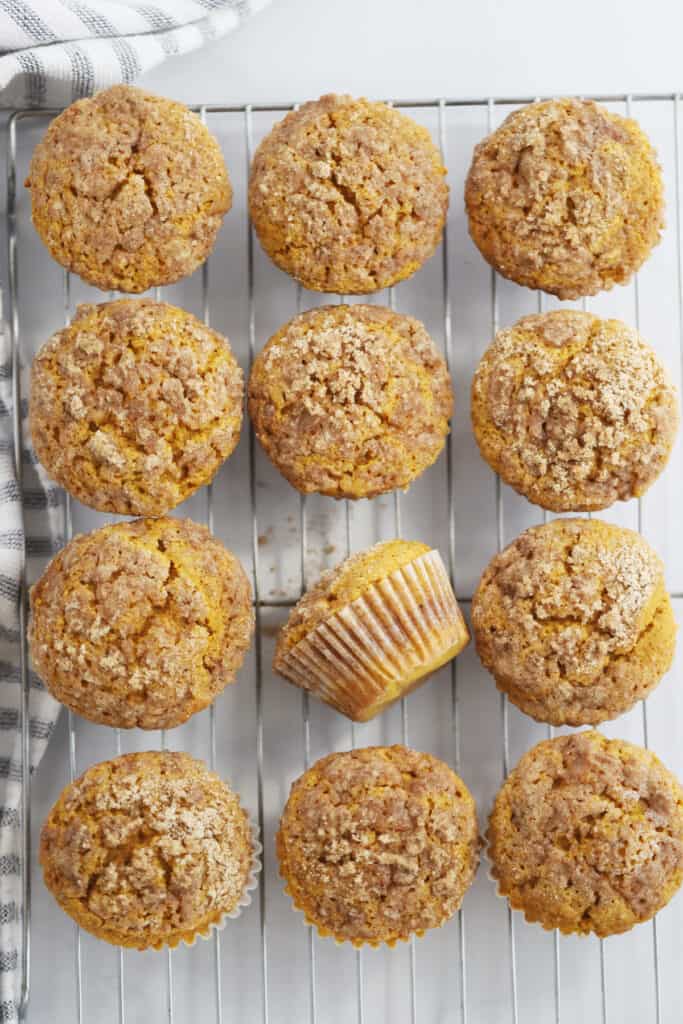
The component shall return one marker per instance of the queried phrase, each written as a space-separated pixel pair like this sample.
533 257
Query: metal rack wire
440 109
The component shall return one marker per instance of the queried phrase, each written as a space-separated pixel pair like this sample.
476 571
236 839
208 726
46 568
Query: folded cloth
54 51
31 528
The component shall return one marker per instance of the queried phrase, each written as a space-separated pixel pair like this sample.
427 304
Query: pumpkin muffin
134 406
142 623
565 197
148 850
573 411
128 189
351 401
372 629
586 835
378 844
574 622
348 196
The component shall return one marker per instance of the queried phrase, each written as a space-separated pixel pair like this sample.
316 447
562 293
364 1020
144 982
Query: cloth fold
55 51
31 530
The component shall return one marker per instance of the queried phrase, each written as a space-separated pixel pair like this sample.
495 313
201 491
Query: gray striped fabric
55 51
30 532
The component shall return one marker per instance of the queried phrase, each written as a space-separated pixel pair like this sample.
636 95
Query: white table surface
295 50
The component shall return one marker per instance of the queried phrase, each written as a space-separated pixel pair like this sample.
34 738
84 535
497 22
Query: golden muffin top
348 196
573 411
147 849
128 189
142 623
351 401
586 835
565 196
135 405
377 844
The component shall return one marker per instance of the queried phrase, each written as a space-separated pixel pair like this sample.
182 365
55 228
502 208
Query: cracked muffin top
147 850
566 197
348 196
586 835
128 189
142 623
378 844
134 406
574 621
351 401
573 411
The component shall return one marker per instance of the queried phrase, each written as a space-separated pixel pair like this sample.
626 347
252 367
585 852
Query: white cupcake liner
398 625
245 899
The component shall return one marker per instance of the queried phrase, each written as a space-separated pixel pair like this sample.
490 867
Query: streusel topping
586 835
573 411
351 401
378 843
348 196
142 623
147 849
574 621
128 189
135 405
565 196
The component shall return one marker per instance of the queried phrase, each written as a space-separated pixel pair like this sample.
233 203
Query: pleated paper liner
382 645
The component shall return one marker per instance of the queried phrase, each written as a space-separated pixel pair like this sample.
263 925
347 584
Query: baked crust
348 196
586 835
566 197
128 189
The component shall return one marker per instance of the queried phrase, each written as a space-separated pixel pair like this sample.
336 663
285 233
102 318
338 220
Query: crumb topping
128 189
586 835
351 401
147 849
574 411
135 405
565 196
141 624
379 843
348 196
574 621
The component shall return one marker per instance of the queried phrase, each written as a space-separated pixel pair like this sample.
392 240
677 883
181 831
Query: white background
292 51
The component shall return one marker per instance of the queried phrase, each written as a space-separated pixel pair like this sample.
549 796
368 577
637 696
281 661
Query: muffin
566 197
128 189
574 622
586 835
351 401
148 850
348 196
372 629
141 624
134 406
572 411
378 844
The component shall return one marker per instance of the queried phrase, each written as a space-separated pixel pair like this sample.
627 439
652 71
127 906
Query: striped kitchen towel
31 530
55 51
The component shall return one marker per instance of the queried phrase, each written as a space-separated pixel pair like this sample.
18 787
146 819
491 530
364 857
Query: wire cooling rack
486 965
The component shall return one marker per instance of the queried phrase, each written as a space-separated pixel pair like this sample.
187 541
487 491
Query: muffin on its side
586 835
351 401
565 196
148 850
348 196
574 621
572 411
141 624
134 406
378 844
128 189
372 629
